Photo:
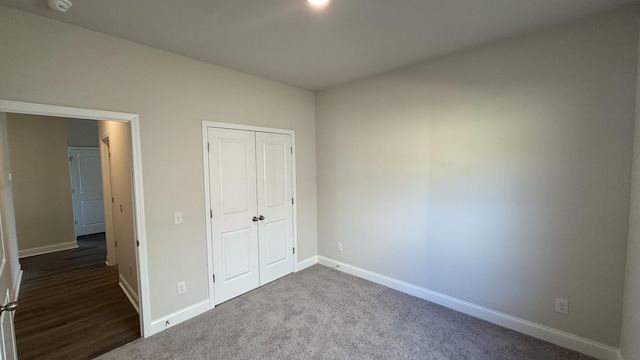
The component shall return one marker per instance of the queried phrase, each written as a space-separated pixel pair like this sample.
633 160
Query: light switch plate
177 217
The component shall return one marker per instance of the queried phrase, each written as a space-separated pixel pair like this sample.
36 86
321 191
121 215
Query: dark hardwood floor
71 306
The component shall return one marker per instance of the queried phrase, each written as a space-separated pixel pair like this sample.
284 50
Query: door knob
12 306
261 217
255 218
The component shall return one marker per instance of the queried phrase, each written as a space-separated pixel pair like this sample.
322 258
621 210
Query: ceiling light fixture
318 2
59 5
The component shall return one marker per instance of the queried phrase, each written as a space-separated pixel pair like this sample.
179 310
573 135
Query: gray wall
55 63
499 175
41 183
629 344
82 133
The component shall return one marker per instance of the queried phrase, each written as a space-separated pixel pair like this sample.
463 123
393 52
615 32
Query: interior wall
82 133
55 63
629 345
7 212
41 183
499 175
121 220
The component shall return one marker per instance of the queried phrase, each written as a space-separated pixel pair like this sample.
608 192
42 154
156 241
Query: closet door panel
274 191
232 187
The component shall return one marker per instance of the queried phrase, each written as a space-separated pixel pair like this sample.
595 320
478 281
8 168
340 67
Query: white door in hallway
250 187
86 184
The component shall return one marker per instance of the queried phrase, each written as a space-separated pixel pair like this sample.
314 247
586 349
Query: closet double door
250 185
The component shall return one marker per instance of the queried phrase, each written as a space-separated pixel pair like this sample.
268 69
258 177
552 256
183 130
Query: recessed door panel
93 211
275 234
233 176
275 173
236 247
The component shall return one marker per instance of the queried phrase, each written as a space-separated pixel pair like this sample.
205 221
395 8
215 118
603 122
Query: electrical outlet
562 306
339 247
182 287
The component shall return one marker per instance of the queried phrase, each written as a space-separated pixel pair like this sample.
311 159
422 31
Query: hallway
71 306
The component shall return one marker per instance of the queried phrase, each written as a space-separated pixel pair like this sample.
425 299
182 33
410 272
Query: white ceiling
291 42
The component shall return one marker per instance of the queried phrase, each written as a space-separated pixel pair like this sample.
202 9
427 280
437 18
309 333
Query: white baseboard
47 249
17 281
128 291
558 337
178 317
301 265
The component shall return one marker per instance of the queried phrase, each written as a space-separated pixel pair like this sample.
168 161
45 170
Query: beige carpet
322 313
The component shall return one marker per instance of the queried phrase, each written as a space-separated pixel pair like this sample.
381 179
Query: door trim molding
205 156
136 166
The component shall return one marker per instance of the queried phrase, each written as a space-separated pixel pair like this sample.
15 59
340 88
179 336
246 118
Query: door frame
9 106
207 195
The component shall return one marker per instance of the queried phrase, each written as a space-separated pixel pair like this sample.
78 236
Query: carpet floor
322 313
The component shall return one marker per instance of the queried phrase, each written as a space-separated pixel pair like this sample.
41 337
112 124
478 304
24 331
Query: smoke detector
59 5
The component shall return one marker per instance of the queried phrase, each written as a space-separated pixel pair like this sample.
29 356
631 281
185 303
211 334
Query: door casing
205 154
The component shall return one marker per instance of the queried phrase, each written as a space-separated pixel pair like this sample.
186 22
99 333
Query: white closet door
232 174
273 154
86 183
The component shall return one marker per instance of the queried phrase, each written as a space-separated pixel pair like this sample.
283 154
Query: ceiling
291 42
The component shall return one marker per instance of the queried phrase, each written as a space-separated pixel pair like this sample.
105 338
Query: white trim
558 337
47 249
207 197
128 291
136 165
178 317
620 355
306 263
17 281
221 125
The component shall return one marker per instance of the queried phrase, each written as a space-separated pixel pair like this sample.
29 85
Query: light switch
177 217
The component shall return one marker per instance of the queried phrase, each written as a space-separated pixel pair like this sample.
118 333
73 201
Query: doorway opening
135 267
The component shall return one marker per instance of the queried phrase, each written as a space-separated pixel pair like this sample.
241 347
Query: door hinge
73 191
294 251
214 278
292 201
137 243
70 158
208 147
292 150
211 213
113 200
75 222
116 243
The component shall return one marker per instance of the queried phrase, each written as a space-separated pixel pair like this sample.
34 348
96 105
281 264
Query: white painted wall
499 175
54 63
41 183
629 344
